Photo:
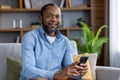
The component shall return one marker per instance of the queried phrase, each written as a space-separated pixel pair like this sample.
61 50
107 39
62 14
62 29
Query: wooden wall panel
98 19
98 13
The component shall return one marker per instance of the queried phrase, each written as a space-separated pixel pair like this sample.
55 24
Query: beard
50 29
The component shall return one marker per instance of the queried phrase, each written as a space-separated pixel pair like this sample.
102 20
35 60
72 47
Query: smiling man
45 50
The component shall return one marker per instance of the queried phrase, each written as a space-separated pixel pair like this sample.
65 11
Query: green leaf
91 43
98 33
88 35
99 44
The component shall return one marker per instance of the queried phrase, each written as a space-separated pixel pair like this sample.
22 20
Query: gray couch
13 50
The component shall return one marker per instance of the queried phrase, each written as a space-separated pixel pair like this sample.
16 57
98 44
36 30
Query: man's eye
57 16
49 16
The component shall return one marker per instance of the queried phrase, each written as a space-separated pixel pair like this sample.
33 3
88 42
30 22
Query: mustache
46 27
60 25
57 26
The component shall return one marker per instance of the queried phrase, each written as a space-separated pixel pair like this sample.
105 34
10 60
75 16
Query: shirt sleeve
29 70
67 59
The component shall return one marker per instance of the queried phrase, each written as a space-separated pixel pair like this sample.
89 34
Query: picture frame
76 3
40 3
27 4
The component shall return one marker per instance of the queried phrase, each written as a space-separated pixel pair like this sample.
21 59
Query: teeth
52 24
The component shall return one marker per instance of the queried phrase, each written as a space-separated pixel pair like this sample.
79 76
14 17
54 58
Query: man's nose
53 18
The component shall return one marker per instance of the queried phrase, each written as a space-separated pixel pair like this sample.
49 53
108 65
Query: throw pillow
88 74
13 69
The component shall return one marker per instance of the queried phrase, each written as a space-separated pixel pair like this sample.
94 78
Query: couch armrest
107 73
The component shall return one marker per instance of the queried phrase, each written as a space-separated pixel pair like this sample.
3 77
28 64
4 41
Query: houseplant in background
35 25
79 20
91 43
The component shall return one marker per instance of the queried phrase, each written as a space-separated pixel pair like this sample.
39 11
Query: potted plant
35 25
91 43
78 21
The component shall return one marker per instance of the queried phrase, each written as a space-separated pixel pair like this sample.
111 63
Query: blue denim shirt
41 59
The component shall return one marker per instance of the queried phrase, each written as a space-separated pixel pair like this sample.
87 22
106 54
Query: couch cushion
74 47
12 50
88 74
92 61
13 69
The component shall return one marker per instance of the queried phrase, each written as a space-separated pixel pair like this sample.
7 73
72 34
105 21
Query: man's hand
71 70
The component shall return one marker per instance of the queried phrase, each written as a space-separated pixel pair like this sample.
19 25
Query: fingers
83 72
74 72
73 64
81 67
78 70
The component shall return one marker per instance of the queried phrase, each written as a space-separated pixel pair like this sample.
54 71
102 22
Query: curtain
114 31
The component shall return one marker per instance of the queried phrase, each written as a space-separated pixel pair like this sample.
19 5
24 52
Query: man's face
51 18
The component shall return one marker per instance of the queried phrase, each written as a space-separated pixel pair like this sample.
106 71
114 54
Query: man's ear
40 18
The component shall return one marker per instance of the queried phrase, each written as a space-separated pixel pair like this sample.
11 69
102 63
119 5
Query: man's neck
52 34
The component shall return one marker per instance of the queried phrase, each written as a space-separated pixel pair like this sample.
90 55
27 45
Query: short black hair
45 6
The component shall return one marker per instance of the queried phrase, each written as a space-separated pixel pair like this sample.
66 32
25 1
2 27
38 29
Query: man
45 50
